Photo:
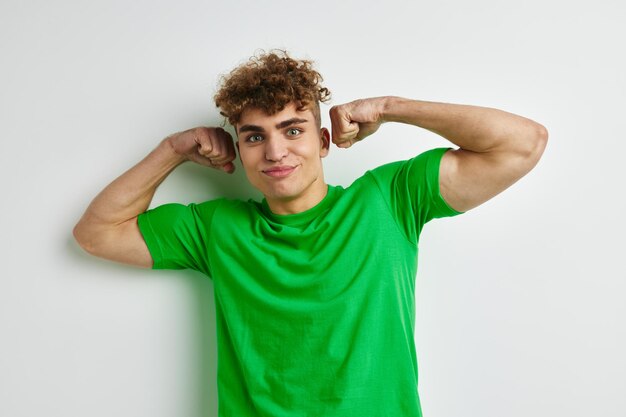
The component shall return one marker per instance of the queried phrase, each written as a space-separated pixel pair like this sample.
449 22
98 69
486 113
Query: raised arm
496 148
108 228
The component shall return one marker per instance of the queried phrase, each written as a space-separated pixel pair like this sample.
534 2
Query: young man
314 285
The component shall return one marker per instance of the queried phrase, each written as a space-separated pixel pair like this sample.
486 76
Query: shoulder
226 207
196 211
424 166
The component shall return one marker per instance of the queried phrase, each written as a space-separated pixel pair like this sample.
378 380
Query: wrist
389 112
168 148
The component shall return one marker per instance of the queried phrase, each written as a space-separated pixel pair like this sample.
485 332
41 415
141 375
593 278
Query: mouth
280 171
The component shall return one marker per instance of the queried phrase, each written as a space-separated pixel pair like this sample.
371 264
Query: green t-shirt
315 311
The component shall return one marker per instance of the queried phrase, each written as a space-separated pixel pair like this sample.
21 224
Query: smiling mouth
279 172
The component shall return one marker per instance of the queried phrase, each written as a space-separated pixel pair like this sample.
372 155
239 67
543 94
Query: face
282 156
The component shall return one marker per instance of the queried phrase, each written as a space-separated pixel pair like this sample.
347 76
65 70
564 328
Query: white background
520 302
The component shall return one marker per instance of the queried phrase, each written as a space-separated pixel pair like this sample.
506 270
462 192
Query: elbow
542 134
83 238
536 144
79 236
540 142
524 150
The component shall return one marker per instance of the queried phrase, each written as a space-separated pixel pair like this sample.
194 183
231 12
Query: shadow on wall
206 344
190 182
203 329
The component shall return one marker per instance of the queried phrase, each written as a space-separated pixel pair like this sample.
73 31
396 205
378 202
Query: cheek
248 157
307 150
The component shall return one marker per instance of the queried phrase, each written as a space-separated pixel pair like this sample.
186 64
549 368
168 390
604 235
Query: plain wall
520 302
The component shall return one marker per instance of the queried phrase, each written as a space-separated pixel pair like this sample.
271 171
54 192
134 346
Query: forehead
256 116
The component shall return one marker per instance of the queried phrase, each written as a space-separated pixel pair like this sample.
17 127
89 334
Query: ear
325 138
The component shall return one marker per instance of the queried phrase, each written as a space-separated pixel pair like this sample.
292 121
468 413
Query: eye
253 138
293 129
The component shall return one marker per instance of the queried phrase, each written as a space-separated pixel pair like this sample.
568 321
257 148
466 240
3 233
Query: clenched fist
352 122
209 146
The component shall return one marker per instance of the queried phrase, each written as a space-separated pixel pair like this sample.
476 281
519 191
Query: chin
281 195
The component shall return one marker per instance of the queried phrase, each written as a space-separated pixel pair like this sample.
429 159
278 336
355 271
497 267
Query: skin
496 149
284 161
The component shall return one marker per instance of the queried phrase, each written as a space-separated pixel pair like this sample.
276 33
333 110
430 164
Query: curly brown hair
269 82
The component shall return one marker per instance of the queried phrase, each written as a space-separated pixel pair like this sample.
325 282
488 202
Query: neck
299 204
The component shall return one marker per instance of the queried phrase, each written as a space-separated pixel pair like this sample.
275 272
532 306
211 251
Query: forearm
130 194
473 128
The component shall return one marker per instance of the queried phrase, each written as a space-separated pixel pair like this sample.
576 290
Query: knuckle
197 131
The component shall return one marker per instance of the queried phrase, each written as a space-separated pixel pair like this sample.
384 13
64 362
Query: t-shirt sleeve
411 188
177 235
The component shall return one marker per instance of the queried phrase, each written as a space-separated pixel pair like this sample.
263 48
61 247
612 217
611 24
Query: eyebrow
285 123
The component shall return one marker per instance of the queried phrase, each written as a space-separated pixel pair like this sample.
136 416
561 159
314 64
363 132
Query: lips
279 171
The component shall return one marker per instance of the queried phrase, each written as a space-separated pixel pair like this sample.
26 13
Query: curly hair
269 82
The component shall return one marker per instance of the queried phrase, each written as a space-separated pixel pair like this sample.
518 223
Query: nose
275 149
